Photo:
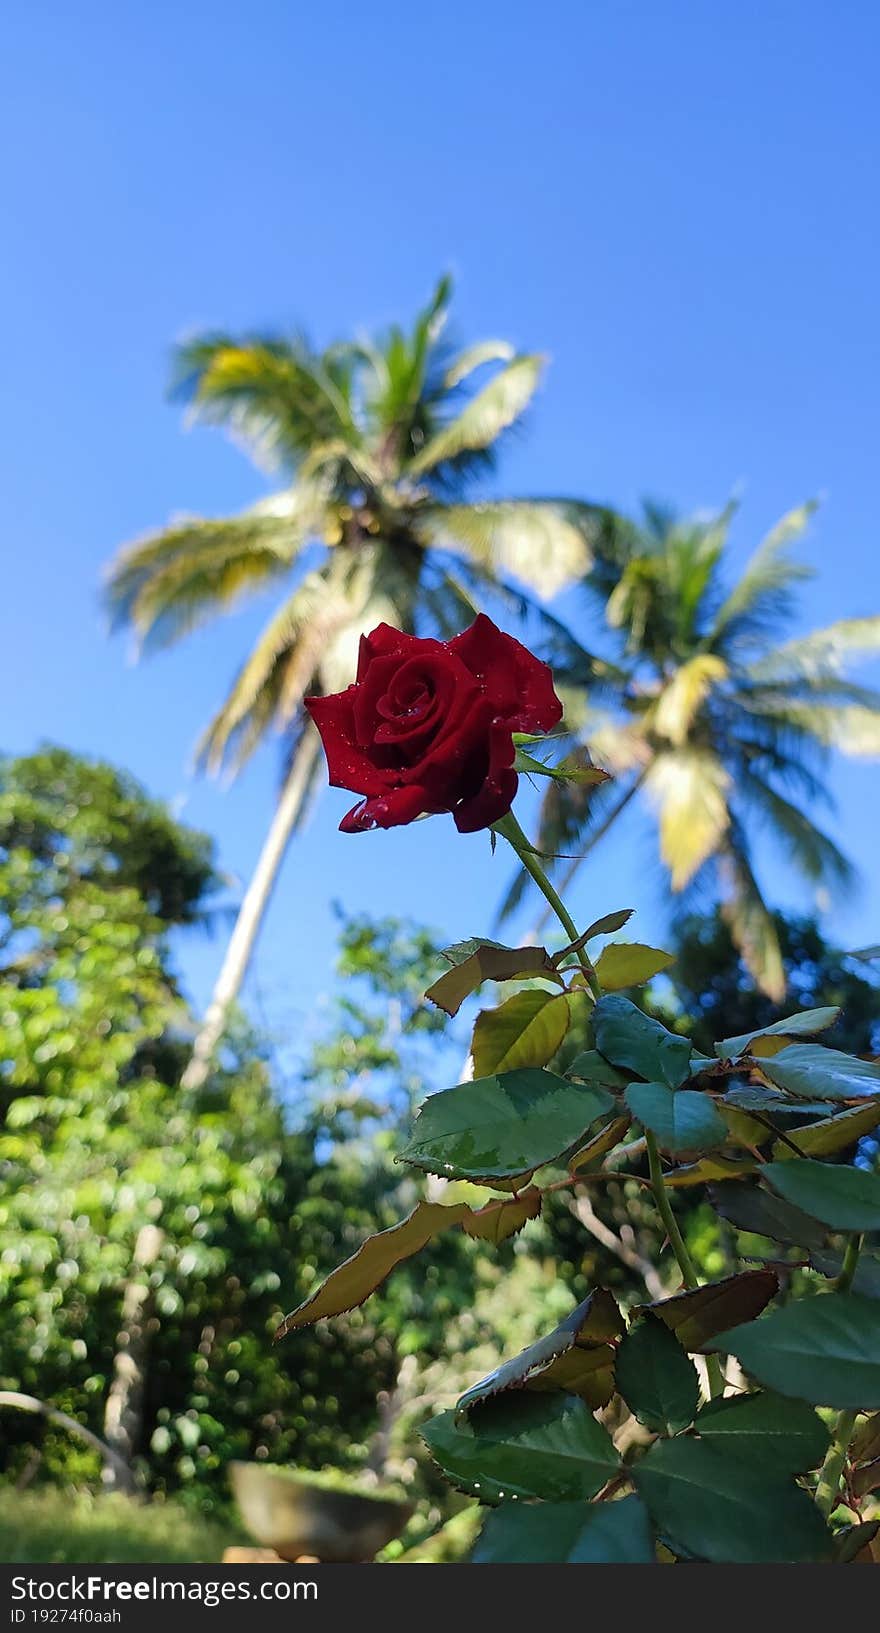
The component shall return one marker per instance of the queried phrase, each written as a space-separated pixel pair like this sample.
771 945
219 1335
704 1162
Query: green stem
831 1472
828 1488
714 1373
844 1281
664 1208
510 830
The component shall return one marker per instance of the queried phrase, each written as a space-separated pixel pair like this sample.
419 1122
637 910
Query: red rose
427 726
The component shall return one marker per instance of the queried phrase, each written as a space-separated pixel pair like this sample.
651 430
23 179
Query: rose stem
828 1488
509 829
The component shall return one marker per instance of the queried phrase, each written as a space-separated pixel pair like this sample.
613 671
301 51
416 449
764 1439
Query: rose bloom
427 726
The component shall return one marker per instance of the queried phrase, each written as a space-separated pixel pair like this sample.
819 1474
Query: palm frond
767 577
277 395
690 788
482 421
476 357
821 653
270 685
681 699
537 541
850 728
166 584
750 920
812 852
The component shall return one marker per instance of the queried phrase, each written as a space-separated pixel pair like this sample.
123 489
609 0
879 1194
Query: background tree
98 1145
378 442
712 986
723 726
251 1202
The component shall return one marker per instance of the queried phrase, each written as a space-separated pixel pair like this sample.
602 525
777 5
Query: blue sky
677 202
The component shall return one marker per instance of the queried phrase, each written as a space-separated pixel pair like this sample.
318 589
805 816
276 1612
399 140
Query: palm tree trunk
253 907
123 1413
599 833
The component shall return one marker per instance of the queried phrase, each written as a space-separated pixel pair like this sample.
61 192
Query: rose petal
347 764
390 810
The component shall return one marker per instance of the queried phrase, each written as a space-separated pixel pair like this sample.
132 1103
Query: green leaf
498 1127
630 1039
697 1315
474 962
599 1146
865 1446
683 1119
849 1542
591 1067
707 1169
806 1023
866 1279
576 1356
832 1134
611 922
656 1379
615 1533
545 1446
776 1435
825 1350
841 1197
750 1208
352 1282
628 965
814 1073
499 1220
526 1030
716 1508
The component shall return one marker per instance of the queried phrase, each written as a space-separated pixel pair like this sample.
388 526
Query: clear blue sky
677 201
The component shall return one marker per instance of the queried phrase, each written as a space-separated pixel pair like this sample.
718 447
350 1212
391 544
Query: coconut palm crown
377 443
722 725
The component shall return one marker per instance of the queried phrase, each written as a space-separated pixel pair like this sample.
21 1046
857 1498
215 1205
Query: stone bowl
295 1514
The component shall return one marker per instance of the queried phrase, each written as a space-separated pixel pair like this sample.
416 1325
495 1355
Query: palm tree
721 725
377 442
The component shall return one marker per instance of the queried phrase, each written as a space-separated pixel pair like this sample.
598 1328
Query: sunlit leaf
621 965
498 1220
353 1282
709 1168
583 1337
832 1134
815 1073
599 1146
501 1126
474 962
526 1030
806 1023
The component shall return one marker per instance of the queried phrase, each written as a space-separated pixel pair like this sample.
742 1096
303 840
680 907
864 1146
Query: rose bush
428 726
685 1428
